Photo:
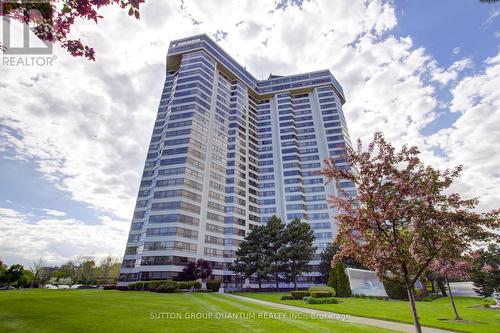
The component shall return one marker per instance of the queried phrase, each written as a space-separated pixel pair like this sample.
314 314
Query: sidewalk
392 325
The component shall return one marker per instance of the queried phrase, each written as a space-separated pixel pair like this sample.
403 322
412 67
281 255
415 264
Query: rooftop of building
272 85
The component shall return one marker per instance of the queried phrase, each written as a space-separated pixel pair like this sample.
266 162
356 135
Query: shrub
321 288
395 290
153 285
136 286
213 285
488 301
339 280
299 294
324 300
186 285
322 294
287 298
109 287
419 294
167 287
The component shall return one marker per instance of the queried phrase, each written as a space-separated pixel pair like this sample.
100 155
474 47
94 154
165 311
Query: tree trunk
295 282
260 283
441 287
411 298
276 276
457 317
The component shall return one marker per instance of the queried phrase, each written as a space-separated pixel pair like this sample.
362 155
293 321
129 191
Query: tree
275 247
325 265
485 271
52 21
189 271
251 257
108 269
203 269
85 269
452 268
39 270
298 238
13 274
401 221
339 280
200 269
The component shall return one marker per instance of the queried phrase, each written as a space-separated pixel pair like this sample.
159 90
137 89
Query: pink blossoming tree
402 221
452 268
52 20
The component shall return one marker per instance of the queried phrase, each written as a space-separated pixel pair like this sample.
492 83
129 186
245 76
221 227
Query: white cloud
56 239
493 14
456 50
53 212
473 139
445 76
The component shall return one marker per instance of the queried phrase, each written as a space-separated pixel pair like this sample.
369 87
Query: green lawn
436 313
96 311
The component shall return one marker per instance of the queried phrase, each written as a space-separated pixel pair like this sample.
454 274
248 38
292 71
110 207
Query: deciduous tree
52 21
403 219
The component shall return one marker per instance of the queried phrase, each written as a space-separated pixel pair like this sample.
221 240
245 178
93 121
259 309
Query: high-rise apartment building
227 152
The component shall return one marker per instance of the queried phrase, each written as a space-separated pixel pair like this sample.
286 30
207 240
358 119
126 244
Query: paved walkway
392 325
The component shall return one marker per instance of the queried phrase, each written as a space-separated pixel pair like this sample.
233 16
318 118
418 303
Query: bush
321 288
339 280
488 301
287 298
109 287
321 291
300 294
324 300
167 287
153 285
187 285
213 285
322 294
136 286
395 290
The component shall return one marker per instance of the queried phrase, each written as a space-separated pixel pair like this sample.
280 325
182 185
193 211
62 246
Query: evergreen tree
299 249
275 251
251 257
339 280
325 266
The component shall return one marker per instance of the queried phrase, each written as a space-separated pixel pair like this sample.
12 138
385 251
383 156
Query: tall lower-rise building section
227 152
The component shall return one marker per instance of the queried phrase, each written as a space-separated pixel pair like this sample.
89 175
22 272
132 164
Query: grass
437 313
109 311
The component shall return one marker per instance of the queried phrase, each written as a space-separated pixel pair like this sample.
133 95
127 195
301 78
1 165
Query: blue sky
73 136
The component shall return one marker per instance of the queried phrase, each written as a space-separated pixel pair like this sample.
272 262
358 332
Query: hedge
187 285
324 300
321 291
164 286
167 287
213 285
322 294
300 294
287 298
